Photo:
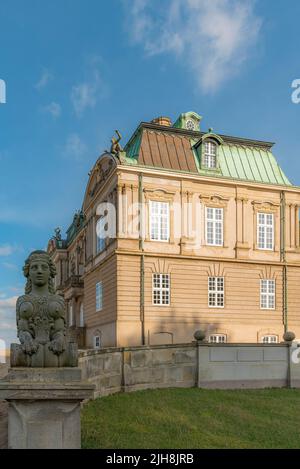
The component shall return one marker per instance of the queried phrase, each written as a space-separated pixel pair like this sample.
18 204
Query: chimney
166 121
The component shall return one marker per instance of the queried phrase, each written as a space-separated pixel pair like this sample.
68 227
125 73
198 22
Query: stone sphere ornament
200 335
289 336
41 320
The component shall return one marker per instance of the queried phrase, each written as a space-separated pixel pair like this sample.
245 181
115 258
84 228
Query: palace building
182 230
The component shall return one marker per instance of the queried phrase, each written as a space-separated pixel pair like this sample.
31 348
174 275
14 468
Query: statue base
44 407
44 357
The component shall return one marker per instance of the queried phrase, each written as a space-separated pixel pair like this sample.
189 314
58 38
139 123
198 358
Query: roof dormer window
188 121
210 155
208 151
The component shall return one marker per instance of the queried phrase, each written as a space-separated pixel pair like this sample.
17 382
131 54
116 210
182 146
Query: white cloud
7 250
75 148
213 38
9 266
85 95
7 314
7 303
44 79
54 109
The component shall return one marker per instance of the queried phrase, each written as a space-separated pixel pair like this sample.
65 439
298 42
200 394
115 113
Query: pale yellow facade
126 266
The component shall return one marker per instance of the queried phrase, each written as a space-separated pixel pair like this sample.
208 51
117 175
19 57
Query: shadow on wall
160 332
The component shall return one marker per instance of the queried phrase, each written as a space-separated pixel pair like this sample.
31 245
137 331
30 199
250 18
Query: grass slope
194 418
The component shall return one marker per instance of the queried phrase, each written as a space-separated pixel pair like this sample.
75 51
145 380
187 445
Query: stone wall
104 369
243 366
128 369
187 365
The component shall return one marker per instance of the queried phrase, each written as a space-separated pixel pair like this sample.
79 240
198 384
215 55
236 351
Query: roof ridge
198 135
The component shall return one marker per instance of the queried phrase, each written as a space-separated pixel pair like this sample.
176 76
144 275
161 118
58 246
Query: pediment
98 175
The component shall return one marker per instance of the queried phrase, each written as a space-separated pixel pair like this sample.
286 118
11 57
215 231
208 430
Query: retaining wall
187 365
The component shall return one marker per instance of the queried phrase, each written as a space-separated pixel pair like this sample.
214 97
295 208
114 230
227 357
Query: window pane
97 342
216 292
161 289
159 221
265 230
210 152
99 294
270 339
212 299
267 294
210 213
271 301
264 301
217 338
101 234
214 226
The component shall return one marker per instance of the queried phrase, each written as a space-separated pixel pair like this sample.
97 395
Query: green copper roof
247 163
177 149
133 146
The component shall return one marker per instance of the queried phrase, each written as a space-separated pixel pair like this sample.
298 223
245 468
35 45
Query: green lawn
194 418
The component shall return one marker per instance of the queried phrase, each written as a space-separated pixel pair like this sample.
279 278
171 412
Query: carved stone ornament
115 145
41 321
57 234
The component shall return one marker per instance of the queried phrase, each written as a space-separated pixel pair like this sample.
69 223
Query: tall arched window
210 155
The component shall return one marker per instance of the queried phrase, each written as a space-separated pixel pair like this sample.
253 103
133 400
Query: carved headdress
39 256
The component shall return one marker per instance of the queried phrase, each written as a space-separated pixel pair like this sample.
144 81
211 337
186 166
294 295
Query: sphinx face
39 273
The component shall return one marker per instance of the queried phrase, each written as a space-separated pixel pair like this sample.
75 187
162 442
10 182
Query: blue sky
76 70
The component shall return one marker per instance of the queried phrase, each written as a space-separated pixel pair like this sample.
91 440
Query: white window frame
161 294
159 222
210 150
214 223
100 235
267 294
97 341
268 339
214 291
99 296
264 241
217 339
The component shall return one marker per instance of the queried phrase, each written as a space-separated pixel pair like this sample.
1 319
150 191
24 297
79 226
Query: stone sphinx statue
41 319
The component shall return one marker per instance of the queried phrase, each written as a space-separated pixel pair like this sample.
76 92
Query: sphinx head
39 270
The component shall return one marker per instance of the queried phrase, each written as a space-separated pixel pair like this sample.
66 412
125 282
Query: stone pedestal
44 407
